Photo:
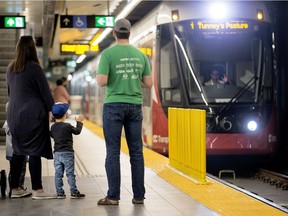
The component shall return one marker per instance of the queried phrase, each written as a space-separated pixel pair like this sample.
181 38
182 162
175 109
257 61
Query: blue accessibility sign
79 21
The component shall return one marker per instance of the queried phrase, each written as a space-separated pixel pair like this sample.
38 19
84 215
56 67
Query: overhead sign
12 22
66 21
77 48
79 21
104 21
89 21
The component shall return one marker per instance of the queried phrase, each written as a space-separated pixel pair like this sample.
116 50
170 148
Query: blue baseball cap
59 110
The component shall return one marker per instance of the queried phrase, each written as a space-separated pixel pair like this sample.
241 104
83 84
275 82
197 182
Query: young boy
62 132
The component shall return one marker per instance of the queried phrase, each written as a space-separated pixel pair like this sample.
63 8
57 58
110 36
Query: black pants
35 168
22 176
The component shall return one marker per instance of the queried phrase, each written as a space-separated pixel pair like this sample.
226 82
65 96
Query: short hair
59 82
120 35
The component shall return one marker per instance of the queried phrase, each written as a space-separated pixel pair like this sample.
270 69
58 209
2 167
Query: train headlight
175 15
252 125
260 15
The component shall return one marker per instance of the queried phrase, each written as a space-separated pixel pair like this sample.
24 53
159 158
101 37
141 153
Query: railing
187 142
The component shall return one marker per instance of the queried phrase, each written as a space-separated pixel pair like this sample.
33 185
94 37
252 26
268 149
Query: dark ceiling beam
48 28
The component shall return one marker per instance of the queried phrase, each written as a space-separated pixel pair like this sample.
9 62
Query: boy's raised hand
80 118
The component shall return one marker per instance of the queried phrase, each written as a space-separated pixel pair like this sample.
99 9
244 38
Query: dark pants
35 168
22 177
115 117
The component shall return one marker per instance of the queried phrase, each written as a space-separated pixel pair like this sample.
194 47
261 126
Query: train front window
168 77
237 54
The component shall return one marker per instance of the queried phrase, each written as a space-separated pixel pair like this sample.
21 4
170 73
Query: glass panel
168 76
238 57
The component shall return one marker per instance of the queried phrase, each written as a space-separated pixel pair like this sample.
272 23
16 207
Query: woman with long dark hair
30 101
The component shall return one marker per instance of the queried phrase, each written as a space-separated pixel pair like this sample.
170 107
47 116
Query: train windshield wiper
238 95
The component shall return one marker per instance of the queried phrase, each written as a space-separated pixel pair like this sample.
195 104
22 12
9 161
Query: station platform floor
168 192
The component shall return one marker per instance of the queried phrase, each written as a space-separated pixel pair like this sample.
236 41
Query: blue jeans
64 161
115 116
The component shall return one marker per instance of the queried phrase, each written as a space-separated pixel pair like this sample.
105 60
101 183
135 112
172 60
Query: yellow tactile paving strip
216 196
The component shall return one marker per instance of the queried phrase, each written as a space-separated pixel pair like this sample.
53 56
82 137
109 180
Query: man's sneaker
61 196
77 195
43 195
106 201
137 201
18 193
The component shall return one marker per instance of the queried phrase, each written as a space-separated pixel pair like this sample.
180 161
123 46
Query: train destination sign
89 21
208 26
12 22
219 25
226 25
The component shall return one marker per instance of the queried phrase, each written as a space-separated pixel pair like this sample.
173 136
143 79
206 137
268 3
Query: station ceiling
43 19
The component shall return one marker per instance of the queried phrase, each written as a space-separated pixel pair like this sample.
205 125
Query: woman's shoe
19 193
43 195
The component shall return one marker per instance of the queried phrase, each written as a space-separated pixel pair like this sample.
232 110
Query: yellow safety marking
216 196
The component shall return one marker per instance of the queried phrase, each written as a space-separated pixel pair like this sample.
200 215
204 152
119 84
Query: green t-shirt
125 66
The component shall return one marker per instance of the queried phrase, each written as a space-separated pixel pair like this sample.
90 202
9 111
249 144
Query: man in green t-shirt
123 70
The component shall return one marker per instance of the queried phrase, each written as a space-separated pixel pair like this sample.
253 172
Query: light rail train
184 41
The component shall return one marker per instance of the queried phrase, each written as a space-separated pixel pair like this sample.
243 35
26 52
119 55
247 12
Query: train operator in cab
216 78
123 69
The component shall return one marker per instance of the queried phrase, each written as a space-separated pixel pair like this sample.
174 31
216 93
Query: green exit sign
12 22
104 21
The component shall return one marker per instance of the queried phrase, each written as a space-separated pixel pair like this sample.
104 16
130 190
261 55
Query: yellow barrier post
187 142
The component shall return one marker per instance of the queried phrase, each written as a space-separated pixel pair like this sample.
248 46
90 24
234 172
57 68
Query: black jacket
30 101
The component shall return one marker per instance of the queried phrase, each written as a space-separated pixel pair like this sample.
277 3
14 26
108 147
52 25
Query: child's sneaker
61 196
77 195
137 201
